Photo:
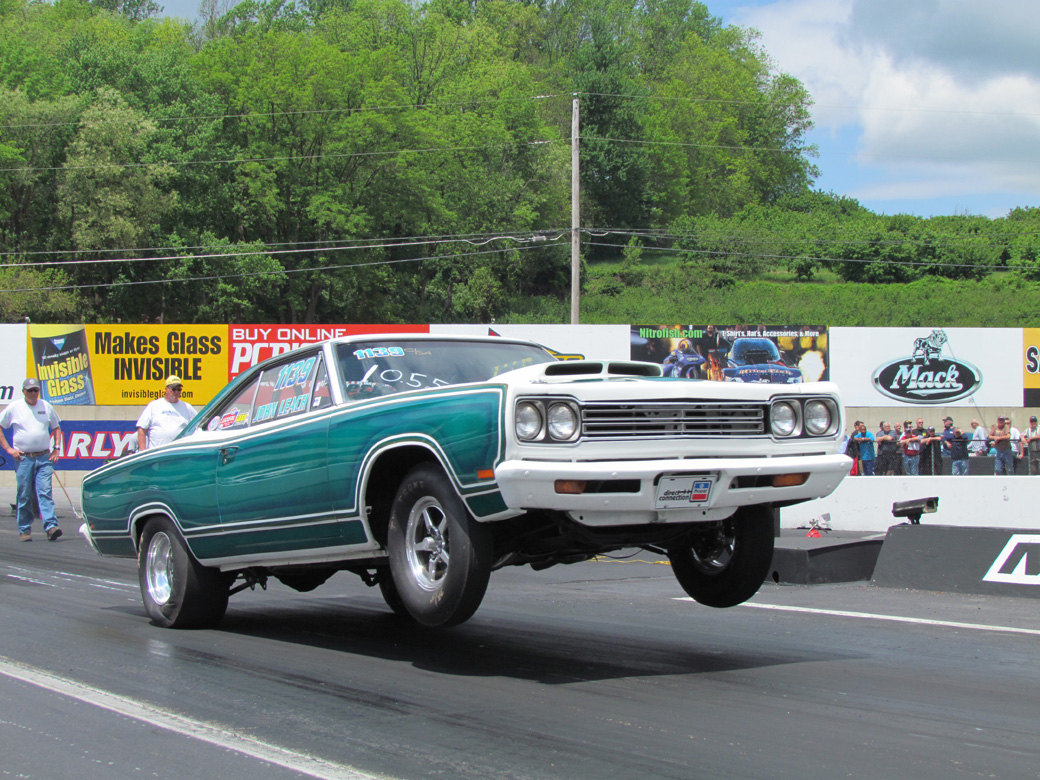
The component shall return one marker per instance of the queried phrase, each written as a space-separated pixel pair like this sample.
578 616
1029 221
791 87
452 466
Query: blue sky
926 107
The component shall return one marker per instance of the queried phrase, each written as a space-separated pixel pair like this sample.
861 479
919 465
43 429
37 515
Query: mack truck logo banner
927 377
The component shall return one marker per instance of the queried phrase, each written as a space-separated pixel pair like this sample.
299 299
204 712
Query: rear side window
235 413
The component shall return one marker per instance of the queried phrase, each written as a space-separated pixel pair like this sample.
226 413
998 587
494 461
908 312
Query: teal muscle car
424 463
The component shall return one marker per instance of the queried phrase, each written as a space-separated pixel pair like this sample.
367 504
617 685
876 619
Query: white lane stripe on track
890 618
179 724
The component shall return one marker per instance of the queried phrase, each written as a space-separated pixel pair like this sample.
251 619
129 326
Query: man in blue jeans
34 424
1002 442
911 444
958 447
865 439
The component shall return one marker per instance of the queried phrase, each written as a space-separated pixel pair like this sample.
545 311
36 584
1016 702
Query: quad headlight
798 417
563 421
547 420
528 421
818 418
784 419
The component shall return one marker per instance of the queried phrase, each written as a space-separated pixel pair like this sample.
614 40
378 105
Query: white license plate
683 492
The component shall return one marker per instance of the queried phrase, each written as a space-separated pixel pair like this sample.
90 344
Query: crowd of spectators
906 448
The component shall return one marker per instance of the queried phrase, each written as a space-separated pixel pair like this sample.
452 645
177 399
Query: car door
272 473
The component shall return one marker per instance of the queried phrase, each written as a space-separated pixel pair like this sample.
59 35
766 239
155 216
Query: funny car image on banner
766 353
928 366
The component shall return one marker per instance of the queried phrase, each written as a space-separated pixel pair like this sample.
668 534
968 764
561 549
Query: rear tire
177 590
725 563
440 557
385 581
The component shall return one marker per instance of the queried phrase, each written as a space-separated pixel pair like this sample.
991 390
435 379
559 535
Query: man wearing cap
959 443
35 445
946 437
1031 444
165 417
911 444
930 464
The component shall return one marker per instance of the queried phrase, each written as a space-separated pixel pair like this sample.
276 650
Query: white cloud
945 94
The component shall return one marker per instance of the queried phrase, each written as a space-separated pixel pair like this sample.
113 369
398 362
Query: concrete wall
865 503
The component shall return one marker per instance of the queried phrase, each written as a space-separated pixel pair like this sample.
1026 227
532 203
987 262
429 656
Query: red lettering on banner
253 344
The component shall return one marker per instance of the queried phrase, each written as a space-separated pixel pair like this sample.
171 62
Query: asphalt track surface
598 670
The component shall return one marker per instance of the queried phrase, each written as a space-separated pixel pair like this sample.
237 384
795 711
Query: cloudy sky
924 107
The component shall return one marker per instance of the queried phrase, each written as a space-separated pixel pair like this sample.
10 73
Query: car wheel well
141 521
385 476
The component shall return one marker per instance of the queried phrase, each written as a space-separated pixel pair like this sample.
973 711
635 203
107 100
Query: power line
247 251
280 272
303 112
294 158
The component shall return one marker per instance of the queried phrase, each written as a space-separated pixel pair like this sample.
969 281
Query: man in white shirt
165 417
978 444
35 445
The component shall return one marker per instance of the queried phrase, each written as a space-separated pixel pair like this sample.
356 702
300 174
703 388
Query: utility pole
575 217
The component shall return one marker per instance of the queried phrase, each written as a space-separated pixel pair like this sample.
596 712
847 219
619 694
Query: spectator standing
959 444
978 439
911 444
865 441
852 450
35 445
1005 462
945 437
1016 445
1031 443
887 449
165 417
931 453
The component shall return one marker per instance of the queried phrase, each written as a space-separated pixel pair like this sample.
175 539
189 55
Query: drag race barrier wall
865 503
989 561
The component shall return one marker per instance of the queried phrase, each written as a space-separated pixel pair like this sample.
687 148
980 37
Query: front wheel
440 557
177 590
724 564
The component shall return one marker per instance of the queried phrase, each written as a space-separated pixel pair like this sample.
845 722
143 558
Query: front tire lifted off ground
440 557
724 564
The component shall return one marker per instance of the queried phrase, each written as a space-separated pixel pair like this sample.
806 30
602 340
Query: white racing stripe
890 618
179 724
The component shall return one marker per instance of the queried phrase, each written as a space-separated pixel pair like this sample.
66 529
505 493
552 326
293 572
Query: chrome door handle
227 454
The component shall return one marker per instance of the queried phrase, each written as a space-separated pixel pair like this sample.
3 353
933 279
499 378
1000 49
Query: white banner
927 366
13 340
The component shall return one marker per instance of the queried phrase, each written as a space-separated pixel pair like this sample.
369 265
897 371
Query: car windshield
755 351
371 368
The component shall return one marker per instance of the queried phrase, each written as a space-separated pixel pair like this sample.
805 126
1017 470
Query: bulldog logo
925 376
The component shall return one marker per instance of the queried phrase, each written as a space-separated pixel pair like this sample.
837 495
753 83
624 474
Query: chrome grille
665 419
